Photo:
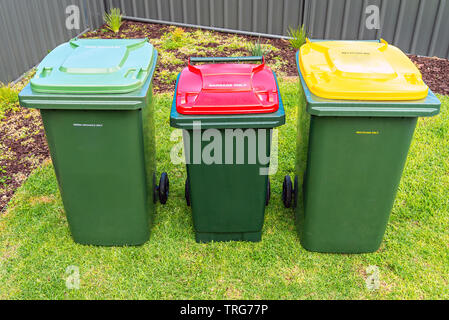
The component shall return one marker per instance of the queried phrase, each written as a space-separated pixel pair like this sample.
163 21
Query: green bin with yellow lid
359 104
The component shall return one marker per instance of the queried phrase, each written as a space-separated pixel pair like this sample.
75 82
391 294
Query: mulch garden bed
131 29
22 141
23 148
435 72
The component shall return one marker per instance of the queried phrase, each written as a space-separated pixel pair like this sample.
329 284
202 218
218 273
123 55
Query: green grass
36 247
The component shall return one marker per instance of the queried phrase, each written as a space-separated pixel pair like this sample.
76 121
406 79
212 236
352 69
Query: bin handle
225 59
385 45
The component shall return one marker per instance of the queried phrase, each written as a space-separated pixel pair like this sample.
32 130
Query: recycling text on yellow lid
357 70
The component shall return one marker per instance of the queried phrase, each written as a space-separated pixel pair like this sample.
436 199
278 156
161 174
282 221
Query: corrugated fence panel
32 28
338 19
8 61
439 44
263 16
292 12
94 10
415 26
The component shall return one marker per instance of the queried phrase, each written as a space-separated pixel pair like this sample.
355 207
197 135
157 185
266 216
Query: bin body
351 180
228 195
103 151
349 162
228 200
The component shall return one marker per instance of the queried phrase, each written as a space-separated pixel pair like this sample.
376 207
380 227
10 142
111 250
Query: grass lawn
36 247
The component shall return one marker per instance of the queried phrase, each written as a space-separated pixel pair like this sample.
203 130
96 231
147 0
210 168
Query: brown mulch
435 72
22 141
23 148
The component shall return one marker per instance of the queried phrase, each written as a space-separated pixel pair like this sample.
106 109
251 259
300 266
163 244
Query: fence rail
29 29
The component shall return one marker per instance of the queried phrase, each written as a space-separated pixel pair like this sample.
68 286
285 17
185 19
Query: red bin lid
227 88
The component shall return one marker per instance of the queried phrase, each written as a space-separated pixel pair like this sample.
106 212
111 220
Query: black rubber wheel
164 188
187 192
287 192
267 199
295 192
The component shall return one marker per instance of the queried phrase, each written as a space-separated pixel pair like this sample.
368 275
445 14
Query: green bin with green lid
360 101
227 110
95 98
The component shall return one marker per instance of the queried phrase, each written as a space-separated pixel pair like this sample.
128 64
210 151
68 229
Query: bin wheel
164 188
295 192
267 199
187 192
287 192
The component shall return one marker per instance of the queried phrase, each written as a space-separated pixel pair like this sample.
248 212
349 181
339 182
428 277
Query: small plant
113 20
169 44
257 49
177 34
8 99
8 95
298 37
175 39
3 177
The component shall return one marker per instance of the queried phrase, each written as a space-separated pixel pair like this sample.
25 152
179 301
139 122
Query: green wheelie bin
95 98
360 101
227 111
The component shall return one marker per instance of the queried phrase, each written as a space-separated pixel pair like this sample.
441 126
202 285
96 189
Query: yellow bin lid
356 70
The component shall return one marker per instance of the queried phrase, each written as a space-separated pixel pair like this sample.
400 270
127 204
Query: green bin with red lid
227 108
95 98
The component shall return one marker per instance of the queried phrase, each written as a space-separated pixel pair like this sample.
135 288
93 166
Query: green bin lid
95 66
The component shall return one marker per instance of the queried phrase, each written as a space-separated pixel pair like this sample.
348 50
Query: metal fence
29 29
261 16
416 26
